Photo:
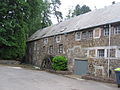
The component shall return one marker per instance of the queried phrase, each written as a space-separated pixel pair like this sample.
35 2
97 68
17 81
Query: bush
59 63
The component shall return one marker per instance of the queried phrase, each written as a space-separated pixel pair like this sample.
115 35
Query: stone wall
9 62
73 49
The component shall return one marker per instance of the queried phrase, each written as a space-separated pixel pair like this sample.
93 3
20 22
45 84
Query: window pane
101 52
77 36
112 52
61 48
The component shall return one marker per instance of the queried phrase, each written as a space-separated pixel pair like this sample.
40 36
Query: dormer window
58 39
77 36
45 40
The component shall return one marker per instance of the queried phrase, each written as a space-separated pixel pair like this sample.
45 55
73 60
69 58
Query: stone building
91 42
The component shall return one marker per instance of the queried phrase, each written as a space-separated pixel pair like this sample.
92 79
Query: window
117 30
51 49
106 30
112 53
45 40
58 38
77 36
101 52
84 35
97 33
90 34
60 48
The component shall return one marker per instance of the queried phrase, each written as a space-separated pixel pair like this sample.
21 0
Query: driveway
12 78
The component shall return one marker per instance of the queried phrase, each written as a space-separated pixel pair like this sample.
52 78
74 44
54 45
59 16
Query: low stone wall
60 72
100 79
9 62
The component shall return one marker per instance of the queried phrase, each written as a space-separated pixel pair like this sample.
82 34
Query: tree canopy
18 20
78 11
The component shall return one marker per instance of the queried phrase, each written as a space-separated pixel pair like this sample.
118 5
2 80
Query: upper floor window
58 38
101 53
77 36
97 33
106 32
60 48
117 30
51 49
84 34
90 34
45 40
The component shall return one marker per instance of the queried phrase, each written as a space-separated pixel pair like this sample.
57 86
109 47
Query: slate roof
106 15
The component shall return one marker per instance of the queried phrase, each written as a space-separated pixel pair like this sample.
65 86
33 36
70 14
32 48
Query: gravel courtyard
16 78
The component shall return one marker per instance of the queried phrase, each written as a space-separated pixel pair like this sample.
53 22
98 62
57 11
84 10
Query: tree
69 14
13 17
39 16
77 11
84 9
54 9
18 19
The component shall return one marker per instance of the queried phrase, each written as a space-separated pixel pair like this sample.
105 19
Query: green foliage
59 63
13 15
39 17
18 19
54 9
78 11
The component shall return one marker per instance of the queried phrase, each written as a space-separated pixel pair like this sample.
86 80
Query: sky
93 4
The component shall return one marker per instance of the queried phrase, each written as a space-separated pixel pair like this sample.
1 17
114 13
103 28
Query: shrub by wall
59 63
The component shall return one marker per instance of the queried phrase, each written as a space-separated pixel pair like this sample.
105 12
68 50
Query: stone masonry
86 48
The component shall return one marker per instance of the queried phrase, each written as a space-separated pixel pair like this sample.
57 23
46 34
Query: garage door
81 67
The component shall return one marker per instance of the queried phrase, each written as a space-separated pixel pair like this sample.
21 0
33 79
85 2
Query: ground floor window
111 53
101 52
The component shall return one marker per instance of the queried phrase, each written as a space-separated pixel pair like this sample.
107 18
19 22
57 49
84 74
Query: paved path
12 78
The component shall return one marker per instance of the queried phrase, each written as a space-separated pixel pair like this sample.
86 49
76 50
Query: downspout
109 42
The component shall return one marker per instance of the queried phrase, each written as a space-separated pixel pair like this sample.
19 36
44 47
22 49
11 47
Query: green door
81 67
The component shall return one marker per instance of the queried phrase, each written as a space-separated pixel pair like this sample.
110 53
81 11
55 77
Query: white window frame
106 31
95 31
45 41
99 54
84 37
58 38
78 36
51 49
59 49
90 34
117 30
117 51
